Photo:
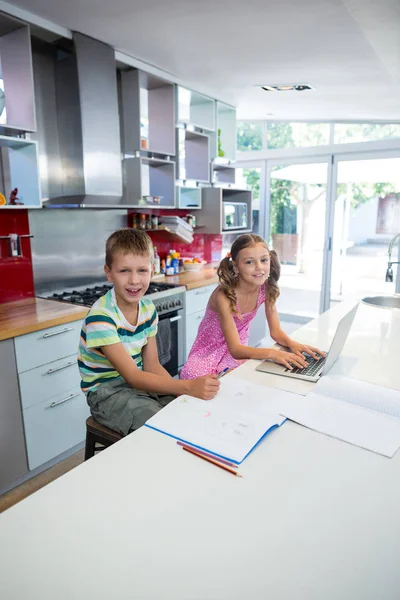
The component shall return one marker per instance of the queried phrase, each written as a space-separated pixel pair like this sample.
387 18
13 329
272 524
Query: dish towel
163 339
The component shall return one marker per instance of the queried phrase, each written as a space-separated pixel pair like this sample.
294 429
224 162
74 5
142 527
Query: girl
248 277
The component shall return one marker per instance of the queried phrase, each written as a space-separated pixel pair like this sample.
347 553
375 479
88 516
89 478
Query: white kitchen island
312 518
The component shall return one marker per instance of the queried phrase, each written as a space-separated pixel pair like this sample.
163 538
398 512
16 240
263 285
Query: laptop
315 368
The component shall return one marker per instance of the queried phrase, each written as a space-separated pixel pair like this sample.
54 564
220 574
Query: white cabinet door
54 426
192 325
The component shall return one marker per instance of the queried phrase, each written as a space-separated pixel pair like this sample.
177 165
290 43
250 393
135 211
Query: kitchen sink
383 301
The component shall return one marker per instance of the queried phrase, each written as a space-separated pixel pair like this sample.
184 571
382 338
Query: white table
313 518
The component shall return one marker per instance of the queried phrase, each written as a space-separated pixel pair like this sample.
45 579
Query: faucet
389 270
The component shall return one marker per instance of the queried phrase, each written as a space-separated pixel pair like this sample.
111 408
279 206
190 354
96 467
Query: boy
122 377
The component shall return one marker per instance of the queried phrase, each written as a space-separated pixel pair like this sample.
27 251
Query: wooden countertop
191 280
34 314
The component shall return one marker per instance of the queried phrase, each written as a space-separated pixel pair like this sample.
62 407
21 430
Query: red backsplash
205 246
16 275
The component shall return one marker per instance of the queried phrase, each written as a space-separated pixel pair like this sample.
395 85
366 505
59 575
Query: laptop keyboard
312 368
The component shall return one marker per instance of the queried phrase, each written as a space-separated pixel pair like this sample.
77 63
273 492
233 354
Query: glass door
366 217
297 219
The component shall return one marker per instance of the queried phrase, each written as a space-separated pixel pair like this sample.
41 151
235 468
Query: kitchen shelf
17 75
148 113
188 197
223 174
210 217
193 155
223 140
19 169
144 176
168 234
195 109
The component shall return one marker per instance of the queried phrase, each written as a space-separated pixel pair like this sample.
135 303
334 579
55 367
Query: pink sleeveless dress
209 353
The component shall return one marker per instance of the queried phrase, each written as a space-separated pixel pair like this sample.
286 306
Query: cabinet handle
199 317
47 335
53 404
51 371
172 319
202 292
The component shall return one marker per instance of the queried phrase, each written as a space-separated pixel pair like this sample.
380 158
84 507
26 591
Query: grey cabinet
13 462
16 75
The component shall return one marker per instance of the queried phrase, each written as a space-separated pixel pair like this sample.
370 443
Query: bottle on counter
142 222
175 262
154 221
157 262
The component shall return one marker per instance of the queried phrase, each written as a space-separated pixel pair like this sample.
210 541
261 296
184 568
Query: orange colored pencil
211 460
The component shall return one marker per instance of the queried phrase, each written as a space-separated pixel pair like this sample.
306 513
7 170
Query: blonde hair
226 271
129 241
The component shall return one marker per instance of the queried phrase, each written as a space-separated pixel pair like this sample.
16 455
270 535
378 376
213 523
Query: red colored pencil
212 456
211 460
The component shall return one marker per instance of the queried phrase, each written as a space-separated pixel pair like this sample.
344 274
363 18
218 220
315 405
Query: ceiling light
299 87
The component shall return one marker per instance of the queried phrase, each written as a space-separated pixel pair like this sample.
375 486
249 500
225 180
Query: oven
169 302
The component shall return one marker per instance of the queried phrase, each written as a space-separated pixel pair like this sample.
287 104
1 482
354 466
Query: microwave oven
234 216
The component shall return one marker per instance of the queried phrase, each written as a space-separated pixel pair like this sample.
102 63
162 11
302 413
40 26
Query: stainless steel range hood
88 127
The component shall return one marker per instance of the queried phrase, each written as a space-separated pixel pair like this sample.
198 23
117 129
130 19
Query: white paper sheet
230 425
357 412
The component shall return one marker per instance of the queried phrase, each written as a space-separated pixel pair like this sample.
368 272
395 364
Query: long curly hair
226 271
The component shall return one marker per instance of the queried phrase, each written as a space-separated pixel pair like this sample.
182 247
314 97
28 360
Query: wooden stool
97 433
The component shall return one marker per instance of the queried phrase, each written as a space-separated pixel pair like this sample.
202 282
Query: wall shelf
223 174
210 217
147 113
188 197
19 169
144 176
17 75
223 141
193 155
195 109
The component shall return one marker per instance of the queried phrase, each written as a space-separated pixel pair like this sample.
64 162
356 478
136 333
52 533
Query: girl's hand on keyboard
298 349
287 359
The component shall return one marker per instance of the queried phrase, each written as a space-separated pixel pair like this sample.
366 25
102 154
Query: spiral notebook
230 425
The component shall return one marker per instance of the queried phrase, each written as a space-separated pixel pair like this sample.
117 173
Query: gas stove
166 297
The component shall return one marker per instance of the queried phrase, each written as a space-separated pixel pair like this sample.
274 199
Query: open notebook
229 426
357 412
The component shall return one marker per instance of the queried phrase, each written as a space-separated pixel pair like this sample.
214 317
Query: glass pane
297 233
297 135
250 179
364 132
367 216
249 136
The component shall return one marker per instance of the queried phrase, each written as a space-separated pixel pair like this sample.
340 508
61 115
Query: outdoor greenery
249 136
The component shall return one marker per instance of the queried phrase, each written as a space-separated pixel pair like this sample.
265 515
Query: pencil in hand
211 460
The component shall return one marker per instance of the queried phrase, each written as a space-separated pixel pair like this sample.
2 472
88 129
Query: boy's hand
205 387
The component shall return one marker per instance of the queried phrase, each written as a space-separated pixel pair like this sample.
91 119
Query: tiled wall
16 275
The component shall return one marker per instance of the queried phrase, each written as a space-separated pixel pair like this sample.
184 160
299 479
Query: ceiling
348 50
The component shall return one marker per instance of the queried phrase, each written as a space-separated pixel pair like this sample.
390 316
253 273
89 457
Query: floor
29 487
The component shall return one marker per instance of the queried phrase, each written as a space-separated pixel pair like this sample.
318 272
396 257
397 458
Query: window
365 132
296 135
249 135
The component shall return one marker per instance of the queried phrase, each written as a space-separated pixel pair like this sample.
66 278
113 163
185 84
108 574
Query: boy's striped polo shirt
105 324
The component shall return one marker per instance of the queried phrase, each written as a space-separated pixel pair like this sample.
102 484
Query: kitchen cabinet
54 409
193 158
211 215
223 140
195 109
196 303
17 75
188 197
147 178
13 463
19 169
148 113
